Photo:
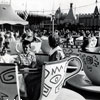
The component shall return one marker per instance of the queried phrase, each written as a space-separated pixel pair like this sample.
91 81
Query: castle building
90 21
70 18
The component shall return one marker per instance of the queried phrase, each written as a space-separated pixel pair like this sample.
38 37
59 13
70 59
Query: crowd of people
27 59
90 39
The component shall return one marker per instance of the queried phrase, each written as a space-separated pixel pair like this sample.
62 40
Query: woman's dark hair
1 40
25 42
85 43
23 36
54 40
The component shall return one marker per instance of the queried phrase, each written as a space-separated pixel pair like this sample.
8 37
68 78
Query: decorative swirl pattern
90 61
8 76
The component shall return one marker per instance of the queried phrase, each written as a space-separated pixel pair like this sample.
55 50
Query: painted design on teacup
7 76
56 79
83 58
3 96
87 62
46 90
56 69
90 61
59 86
96 62
16 97
46 73
68 51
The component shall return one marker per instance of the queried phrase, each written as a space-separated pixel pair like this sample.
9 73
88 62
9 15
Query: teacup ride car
54 77
91 65
9 83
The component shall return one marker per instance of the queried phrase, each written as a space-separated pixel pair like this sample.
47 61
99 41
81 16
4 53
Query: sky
50 6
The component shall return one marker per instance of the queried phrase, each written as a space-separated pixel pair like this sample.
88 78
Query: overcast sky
46 6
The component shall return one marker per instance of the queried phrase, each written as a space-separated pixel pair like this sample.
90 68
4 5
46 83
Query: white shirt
6 59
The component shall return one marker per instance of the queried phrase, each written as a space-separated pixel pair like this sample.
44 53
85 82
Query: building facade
89 21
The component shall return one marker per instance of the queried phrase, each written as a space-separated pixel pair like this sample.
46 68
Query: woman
90 44
56 53
5 57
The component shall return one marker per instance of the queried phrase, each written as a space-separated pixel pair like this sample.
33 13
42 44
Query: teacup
91 66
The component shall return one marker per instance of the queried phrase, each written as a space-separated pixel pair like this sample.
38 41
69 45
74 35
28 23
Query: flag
25 15
58 13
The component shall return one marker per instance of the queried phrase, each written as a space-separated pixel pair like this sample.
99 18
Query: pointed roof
7 15
96 11
58 13
70 17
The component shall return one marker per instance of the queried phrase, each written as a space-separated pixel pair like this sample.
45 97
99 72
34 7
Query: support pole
24 29
52 24
2 27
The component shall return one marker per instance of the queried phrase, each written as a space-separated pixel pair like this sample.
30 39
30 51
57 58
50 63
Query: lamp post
53 18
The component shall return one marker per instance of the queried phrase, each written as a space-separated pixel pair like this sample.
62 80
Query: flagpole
53 18
10 5
25 15
52 23
26 5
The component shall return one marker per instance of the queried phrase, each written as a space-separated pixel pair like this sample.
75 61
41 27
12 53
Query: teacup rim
89 52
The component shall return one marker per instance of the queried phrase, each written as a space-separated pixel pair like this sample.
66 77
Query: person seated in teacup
1 41
56 53
89 44
28 35
5 57
35 82
31 37
92 42
7 39
70 39
27 61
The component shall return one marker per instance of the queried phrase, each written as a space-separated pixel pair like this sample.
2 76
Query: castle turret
70 18
96 11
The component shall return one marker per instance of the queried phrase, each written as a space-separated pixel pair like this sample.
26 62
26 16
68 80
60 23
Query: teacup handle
78 68
17 48
18 44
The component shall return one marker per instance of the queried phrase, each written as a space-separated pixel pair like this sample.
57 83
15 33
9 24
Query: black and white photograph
49 49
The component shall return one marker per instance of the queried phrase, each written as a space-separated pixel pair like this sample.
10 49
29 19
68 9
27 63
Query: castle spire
70 18
96 11
96 2
71 5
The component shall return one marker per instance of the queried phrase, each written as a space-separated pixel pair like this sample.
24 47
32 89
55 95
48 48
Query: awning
8 16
